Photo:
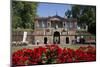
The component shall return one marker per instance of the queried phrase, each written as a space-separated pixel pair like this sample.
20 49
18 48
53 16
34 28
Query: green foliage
23 14
86 15
68 13
28 30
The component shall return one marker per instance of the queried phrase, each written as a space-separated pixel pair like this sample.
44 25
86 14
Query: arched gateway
45 40
56 37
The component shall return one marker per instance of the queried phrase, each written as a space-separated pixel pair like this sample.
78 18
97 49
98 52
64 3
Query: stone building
54 30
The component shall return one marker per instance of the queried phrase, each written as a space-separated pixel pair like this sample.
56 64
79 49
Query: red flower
53 54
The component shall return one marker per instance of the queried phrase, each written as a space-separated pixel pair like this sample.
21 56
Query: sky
51 9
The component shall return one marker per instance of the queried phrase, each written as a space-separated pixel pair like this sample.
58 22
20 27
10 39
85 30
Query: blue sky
50 9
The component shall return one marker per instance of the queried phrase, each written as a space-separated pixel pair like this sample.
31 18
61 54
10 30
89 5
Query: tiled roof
55 16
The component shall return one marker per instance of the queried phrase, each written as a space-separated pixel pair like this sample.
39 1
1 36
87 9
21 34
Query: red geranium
53 54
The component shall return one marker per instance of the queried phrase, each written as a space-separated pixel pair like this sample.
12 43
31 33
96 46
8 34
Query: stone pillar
86 28
24 36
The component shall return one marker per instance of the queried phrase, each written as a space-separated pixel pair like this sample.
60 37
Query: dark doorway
67 40
56 38
45 40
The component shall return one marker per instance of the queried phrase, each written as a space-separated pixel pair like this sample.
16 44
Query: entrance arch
56 38
45 40
67 40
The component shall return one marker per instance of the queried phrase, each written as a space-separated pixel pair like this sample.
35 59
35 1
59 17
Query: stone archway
67 40
56 37
45 40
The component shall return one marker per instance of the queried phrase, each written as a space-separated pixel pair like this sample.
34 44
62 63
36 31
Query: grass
15 48
71 46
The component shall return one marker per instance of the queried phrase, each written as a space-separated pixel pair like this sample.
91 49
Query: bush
20 43
51 54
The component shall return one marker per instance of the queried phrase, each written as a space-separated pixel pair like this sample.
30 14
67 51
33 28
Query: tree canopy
86 15
23 14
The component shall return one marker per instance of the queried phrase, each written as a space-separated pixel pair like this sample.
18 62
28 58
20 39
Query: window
43 25
71 24
37 24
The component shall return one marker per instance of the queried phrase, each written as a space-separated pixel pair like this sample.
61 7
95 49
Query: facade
54 30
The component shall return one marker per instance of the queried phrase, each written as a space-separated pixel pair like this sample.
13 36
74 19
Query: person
73 41
82 40
37 42
78 40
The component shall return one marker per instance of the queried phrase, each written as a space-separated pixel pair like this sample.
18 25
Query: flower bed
51 54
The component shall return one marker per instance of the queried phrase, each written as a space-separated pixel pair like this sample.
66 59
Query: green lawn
15 48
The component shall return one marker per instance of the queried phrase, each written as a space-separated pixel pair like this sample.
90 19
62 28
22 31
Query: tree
76 11
23 14
86 15
68 13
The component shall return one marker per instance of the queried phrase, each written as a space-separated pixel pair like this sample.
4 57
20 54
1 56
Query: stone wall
32 38
50 39
18 36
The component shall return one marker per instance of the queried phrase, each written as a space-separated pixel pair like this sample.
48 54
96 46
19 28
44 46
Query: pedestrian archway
56 37
45 40
67 40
